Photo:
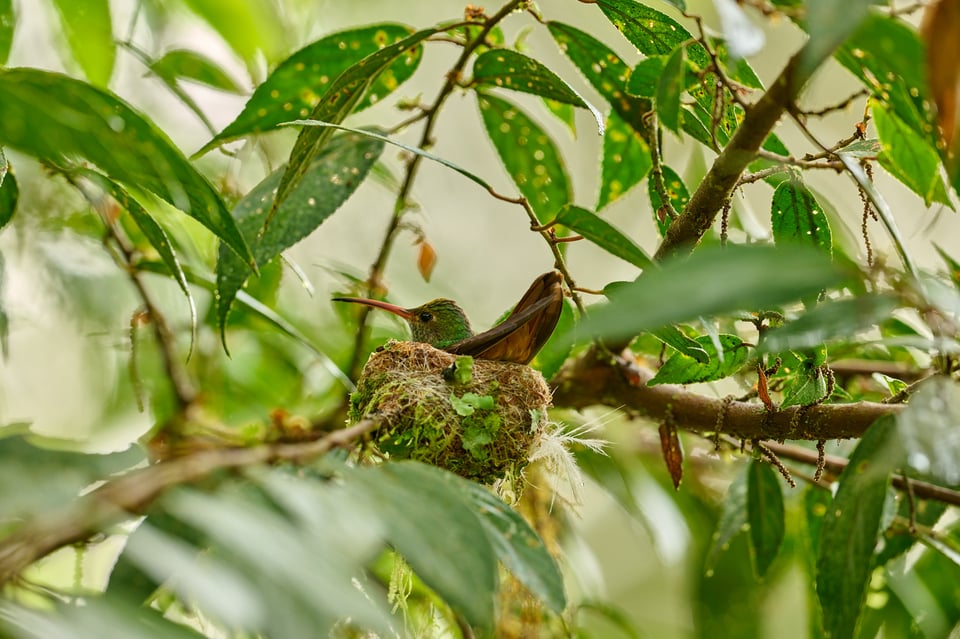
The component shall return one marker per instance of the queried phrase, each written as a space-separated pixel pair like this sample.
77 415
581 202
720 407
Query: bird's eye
426 316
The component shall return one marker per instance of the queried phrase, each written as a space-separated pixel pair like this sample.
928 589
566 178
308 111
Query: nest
477 418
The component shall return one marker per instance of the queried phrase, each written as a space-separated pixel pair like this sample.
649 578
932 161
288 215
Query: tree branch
590 380
131 494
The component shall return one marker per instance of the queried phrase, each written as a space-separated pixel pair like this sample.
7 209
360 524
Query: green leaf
299 84
670 88
626 160
683 369
828 320
896 539
808 386
797 217
645 79
673 336
8 25
733 519
651 32
512 70
713 281
332 178
151 230
249 28
555 352
849 531
190 65
953 265
765 514
909 157
338 102
898 80
928 428
565 113
528 154
603 234
60 120
89 32
428 521
829 24
517 545
676 191
9 194
604 70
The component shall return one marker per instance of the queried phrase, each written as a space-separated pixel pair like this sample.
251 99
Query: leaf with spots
645 78
808 386
603 234
887 56
333 176
651 32
797 217
765 514
909 157
848 534
512 70
89 33
626 160
183 64
152 231
340 100
59 120
676 191
529 155
604 70
298 84
683 369
563 112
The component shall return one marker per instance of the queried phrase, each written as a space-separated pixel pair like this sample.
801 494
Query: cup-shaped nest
477 418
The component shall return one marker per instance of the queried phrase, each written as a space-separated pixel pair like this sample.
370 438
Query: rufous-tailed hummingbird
443 324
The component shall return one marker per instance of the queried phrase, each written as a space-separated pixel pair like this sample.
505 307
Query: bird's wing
521 335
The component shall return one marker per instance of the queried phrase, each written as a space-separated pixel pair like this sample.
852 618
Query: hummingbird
444 325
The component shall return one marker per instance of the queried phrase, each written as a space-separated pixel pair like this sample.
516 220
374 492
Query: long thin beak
393 308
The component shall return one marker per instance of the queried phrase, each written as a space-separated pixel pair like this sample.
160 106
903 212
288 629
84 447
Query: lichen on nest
477 418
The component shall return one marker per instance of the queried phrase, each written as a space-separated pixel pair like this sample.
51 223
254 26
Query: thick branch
130 495
590 380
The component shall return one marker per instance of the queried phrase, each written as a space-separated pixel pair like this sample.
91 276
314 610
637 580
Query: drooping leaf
897 80
337 103
676 191
669 89
829 320
672 451
9 194
332 178
626 160
251 29
604 70
733 520
684 369
300 82
603 234
59 120
196 67
513 70
907 156
151 230
713 281
528 154
673 336
850 527
829 24
765 514
516 545
797 217
929 431
8 25
89 31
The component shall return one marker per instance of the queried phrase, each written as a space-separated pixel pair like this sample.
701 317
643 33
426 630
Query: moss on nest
477 418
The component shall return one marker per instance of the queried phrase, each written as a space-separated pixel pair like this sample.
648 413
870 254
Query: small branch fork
130 495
